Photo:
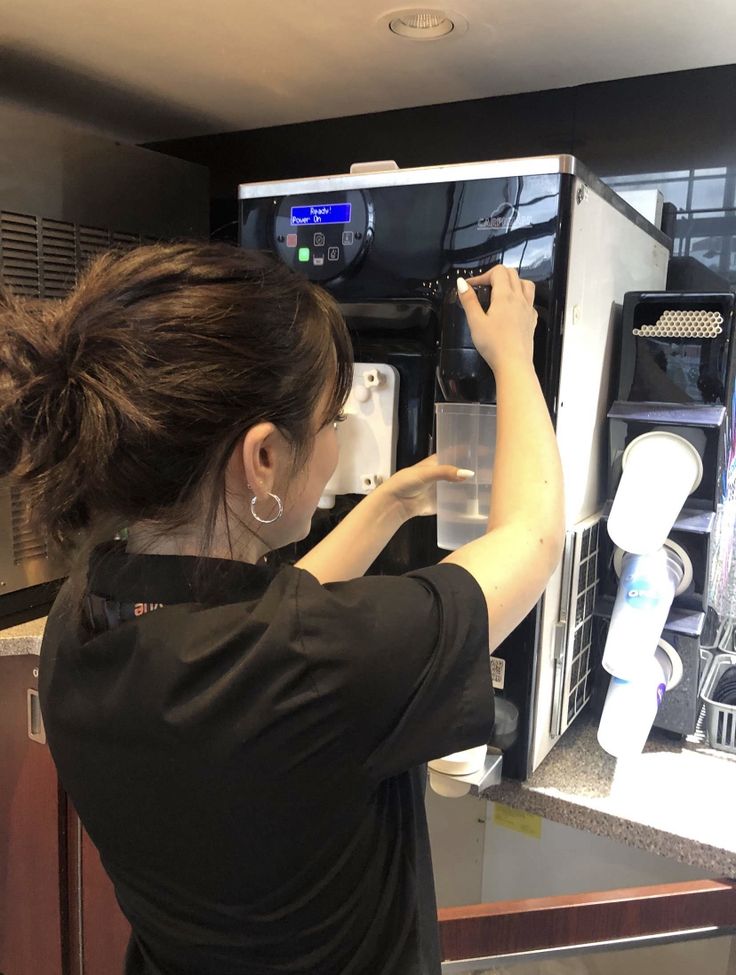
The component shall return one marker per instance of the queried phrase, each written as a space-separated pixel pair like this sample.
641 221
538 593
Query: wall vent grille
27 543
42 258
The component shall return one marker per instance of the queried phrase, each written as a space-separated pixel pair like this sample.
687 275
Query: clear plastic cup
466 438
660 470
645 592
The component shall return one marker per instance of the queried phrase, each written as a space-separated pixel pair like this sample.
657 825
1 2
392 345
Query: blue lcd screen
320 213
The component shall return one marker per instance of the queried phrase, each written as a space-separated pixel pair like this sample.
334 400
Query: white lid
461 763
662 435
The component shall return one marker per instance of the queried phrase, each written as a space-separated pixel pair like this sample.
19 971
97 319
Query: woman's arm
514 561
361 536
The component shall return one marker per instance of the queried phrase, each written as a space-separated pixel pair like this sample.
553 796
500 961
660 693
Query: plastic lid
659 434
461 763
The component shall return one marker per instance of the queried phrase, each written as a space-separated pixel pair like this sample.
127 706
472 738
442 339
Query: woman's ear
260 447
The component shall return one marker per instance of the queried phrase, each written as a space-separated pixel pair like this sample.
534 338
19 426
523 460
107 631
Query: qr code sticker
498 672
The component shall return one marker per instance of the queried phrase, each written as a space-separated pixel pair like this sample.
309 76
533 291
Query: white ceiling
155 69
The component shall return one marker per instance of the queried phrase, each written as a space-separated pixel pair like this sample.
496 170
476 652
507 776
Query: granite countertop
22 639
675 800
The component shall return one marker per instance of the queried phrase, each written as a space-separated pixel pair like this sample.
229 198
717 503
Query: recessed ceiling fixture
425 24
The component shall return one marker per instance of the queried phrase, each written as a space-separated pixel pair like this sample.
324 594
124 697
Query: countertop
676 800
22 639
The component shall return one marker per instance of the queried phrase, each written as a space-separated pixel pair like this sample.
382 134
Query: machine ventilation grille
573 637
27 543
581 624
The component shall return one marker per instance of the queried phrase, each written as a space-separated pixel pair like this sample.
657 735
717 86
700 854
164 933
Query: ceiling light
423 24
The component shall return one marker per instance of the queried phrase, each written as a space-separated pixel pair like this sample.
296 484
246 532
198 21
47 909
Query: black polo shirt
244 747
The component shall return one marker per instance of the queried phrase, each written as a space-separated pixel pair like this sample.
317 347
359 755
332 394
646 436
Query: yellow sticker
517 819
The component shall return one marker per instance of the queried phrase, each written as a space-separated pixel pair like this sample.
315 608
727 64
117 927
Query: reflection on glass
710 194
706 953
706 220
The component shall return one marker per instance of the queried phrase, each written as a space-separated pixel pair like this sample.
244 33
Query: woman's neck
148 538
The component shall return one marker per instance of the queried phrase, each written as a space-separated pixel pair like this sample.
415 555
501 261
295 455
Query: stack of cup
446 774
659 471
631 705
647 587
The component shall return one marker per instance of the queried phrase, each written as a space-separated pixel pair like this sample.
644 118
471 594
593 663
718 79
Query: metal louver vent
19 253
574 629
58 258
125 241
91 241
584 593
42 258
27 543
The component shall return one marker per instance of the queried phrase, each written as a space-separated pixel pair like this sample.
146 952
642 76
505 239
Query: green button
304 254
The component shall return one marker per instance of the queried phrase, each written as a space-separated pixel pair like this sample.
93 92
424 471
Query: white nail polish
462 285
465 473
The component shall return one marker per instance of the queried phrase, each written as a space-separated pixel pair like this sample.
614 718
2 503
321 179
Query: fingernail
462 285
465 473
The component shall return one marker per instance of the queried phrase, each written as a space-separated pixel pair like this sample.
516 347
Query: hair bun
43 407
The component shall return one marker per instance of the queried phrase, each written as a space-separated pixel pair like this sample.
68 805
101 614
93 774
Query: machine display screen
320 213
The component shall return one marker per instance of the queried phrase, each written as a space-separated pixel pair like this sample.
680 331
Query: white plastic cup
631 706
444 772
646 589
466 438
659 471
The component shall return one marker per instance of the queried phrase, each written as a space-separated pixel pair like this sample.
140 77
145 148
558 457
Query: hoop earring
267 521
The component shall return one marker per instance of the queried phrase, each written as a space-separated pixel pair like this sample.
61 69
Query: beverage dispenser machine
389 245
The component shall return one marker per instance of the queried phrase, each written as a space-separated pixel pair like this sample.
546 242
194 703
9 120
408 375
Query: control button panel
322 235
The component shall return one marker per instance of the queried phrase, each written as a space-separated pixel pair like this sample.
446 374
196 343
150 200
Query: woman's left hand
415 488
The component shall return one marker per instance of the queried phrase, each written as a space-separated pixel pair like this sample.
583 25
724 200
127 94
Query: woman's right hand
505 333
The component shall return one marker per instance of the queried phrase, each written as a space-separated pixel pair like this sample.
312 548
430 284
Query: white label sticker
498 672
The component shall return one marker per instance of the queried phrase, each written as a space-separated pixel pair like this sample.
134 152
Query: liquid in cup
466 438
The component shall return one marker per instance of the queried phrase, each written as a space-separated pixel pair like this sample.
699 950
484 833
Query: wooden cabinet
58 912
98 931
59 915
548 925
32 855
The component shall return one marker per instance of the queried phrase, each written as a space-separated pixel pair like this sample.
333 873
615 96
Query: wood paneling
30 903
104 928
505 927
98 931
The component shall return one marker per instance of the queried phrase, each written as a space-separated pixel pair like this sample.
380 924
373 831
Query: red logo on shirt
140 609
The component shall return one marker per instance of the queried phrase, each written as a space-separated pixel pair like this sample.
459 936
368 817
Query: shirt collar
167 579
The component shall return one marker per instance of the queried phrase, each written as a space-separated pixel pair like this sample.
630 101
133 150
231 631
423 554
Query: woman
243 743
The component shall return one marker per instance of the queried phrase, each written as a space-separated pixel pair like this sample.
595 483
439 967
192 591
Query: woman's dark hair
122 401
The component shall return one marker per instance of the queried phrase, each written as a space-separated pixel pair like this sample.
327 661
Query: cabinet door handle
36 730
